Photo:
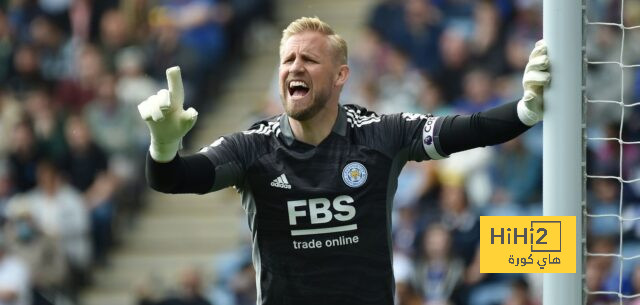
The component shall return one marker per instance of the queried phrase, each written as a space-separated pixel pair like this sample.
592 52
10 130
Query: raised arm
216 166
168 123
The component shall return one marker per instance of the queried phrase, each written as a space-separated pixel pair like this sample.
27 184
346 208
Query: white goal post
563 140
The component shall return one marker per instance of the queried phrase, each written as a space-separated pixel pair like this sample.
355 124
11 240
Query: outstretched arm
505 122
491 127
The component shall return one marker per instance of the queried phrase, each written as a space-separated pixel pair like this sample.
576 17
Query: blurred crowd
73 146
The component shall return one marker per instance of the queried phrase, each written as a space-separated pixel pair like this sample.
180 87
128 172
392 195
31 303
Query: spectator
201 28
608 155
431 99
55 49
455 55
57 9
366 61
85 160
243 285
516 52
80 88
136 14
60 212
14 278
478 93
602 271
517 175
405 229
406 294
86 166
595 276
42 254
6 46
80 19
23 157
635 285
146 291
462 223
400 85
520 294
114 36
437 271
387 19
112 123
527 23
190 292
419 35
10 116
133 84
402 268
604 200
47 122
5 190
26 71
201 25
20 14
486 42
228 266
458 11
85 17
165 50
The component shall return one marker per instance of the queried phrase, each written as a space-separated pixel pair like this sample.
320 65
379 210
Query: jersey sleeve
493 126
230 156
214 167
425 137
191 174
416 135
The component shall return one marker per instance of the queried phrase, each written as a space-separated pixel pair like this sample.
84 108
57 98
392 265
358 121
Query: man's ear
343 75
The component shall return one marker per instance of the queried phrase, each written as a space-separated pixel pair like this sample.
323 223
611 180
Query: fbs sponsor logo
318 211
281 182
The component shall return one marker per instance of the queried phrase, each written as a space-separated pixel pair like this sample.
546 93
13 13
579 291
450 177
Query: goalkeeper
317 182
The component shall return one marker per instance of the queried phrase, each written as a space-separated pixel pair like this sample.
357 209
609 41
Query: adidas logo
281 182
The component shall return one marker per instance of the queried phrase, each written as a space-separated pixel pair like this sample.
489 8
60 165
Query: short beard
307 113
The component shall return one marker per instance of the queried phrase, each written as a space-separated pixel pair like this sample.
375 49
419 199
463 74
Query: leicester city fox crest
354 174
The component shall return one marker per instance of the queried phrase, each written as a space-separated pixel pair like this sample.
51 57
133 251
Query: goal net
611 272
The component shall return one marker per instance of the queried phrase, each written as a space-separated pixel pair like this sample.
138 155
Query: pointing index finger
176 90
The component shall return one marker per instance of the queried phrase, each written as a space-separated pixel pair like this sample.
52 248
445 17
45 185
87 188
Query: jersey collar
339 127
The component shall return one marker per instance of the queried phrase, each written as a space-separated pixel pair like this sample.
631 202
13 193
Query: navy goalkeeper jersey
320 215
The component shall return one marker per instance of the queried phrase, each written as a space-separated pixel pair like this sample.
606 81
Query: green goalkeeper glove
168 122
535 79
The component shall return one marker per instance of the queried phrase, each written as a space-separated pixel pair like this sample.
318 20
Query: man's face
308 74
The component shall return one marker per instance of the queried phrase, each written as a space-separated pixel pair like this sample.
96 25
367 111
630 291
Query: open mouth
298 88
